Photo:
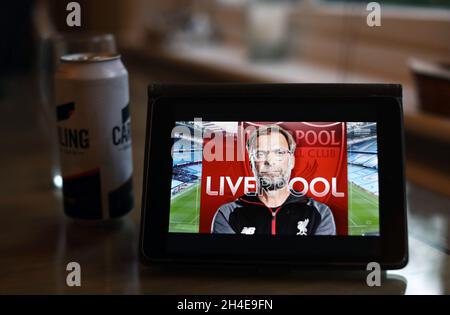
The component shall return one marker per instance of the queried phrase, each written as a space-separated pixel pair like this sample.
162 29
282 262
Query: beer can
94 135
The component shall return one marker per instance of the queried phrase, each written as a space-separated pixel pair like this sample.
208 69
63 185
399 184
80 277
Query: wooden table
37 240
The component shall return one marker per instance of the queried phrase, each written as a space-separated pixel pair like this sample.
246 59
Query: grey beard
267 184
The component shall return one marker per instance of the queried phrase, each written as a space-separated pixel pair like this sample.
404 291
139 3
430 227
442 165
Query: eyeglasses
279 154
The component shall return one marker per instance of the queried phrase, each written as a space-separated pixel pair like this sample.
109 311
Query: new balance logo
248 230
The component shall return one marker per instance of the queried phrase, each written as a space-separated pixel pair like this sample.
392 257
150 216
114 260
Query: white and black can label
94 136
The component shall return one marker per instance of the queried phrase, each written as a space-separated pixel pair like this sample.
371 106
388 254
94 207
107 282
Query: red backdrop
321 152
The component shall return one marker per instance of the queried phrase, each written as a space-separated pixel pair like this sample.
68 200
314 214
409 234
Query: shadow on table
245 280
108 255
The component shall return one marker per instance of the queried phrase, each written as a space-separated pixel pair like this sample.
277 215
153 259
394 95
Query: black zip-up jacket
296 216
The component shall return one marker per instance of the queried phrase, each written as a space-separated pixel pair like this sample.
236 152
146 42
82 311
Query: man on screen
273 209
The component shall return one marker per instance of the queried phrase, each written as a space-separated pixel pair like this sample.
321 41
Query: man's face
272 161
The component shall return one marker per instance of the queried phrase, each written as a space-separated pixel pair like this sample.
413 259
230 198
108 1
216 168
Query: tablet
286 174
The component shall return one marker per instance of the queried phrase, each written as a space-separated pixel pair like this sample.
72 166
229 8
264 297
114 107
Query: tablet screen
275 178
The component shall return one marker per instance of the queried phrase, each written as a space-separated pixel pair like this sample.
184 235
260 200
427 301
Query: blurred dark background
257 41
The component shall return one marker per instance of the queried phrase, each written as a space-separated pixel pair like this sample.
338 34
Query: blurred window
411 3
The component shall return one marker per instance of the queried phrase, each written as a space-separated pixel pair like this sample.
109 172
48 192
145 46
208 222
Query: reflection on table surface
37 240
